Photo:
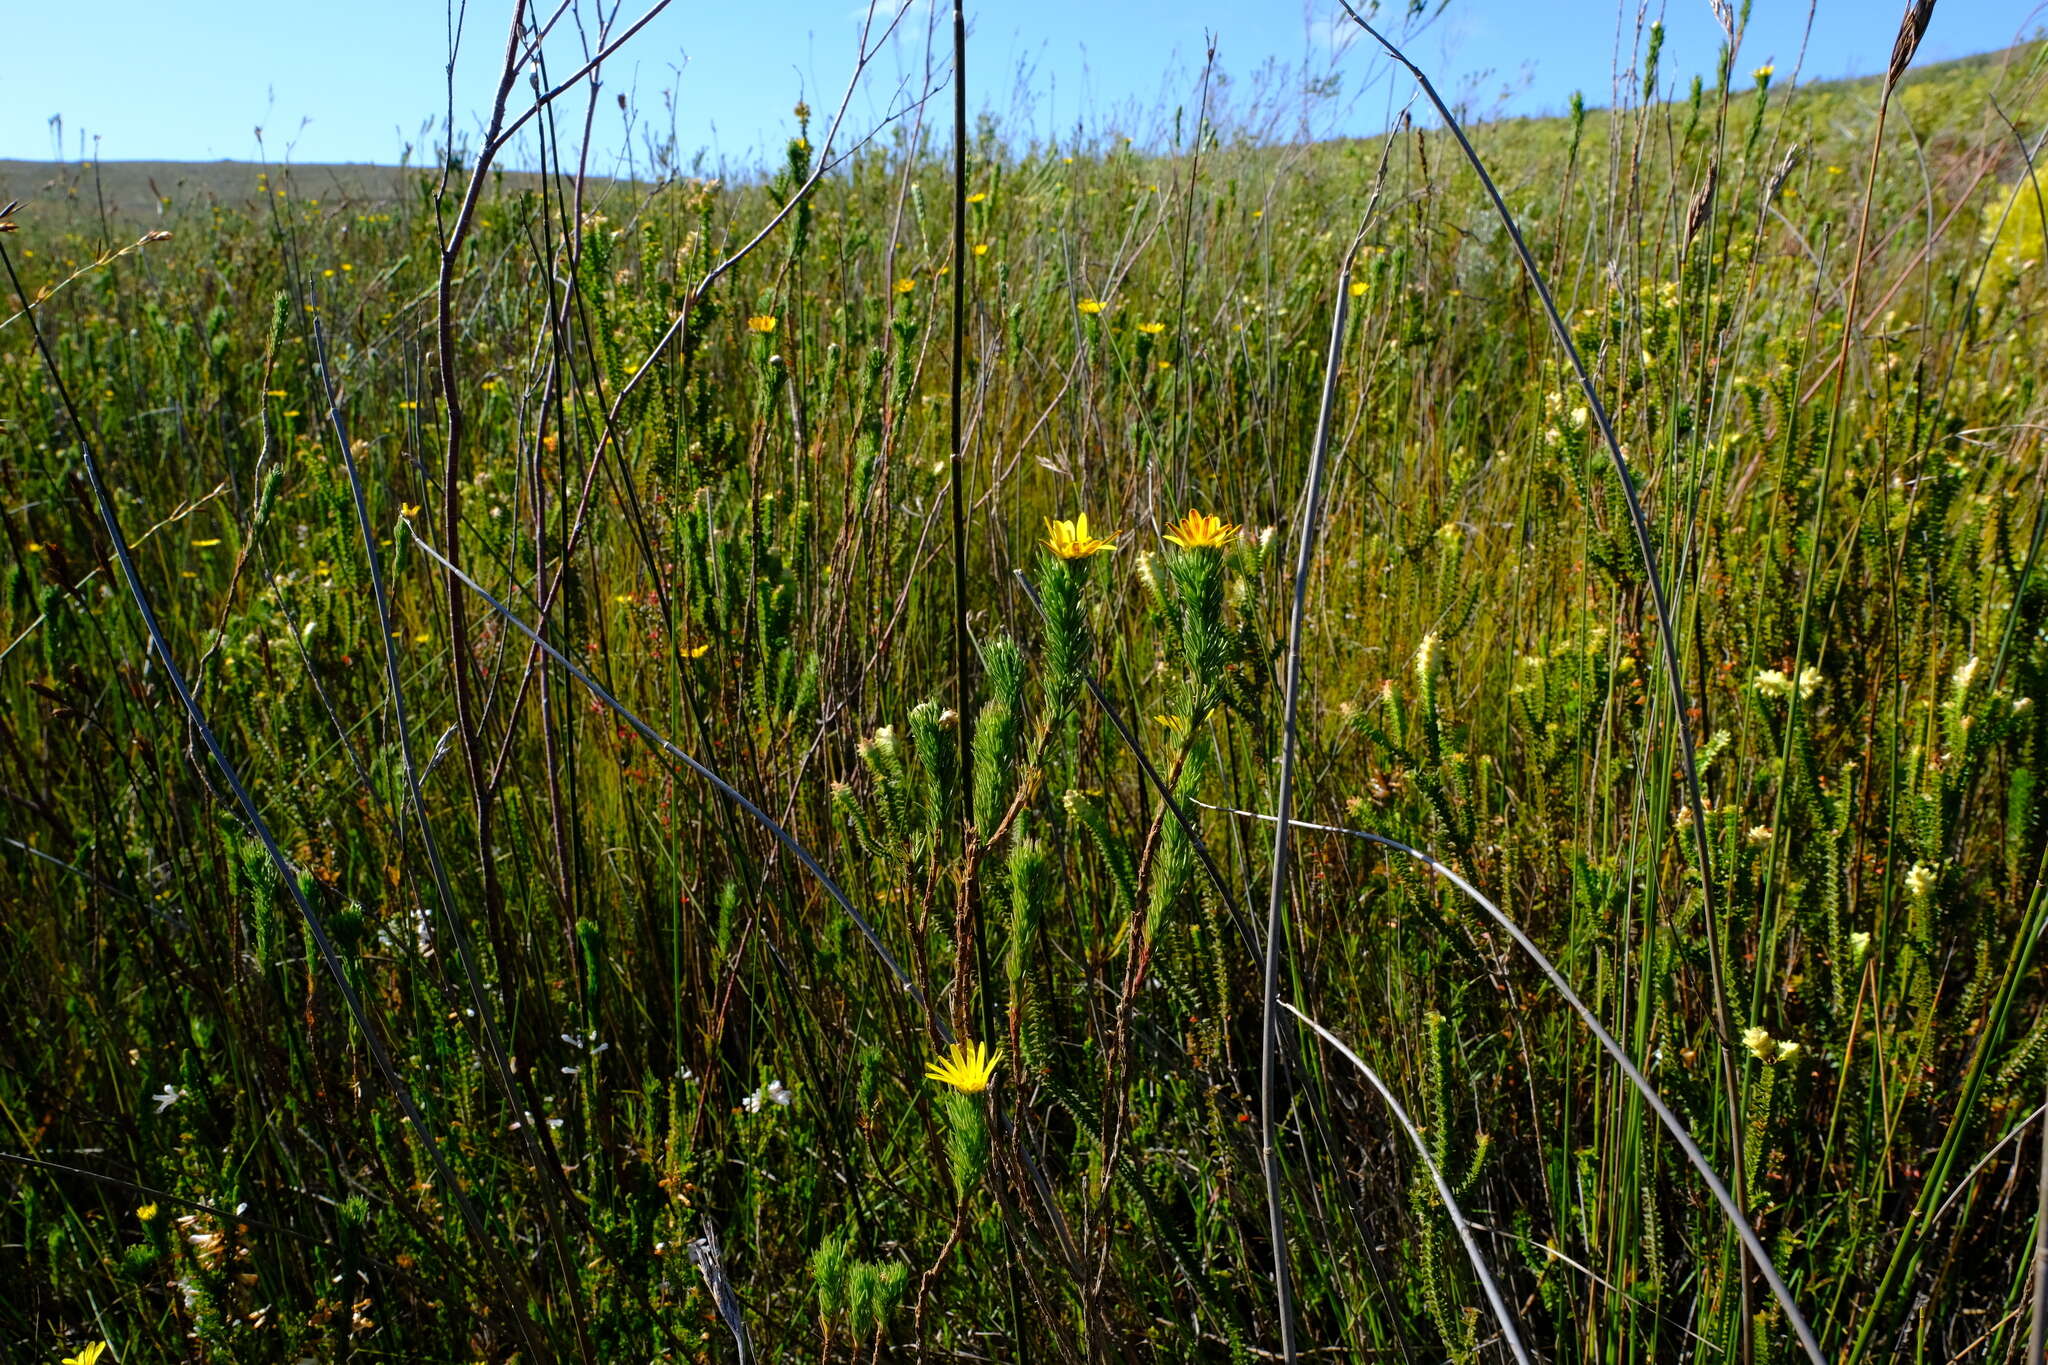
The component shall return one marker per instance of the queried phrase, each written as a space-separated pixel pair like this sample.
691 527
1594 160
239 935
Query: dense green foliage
755 556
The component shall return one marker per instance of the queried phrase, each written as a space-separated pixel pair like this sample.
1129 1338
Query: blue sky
359 81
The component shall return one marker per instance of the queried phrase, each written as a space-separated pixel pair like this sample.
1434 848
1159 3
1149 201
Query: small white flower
167 1097
1919 881
1967 674
1758 1040
1759 834
775 1092
1859 946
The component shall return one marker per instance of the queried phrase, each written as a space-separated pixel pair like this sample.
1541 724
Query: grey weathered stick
1679 1134
1667 631
535 1137
1443 1188
1276 896
661 742
2037 1332
288 876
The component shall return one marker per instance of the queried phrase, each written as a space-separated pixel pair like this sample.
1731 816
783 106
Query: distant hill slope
131 191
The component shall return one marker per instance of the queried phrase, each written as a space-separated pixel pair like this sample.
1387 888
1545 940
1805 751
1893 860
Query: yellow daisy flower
1070 539
89 1356
1151 329
1091 306
761 322
905 285
1199 531
967 1067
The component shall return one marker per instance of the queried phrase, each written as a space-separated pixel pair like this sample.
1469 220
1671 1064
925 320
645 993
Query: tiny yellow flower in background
408 509
1070 539
1176 724
89 1356
695 651
146 1212
761 322
1199 531
205 544
1764 73
1358 288
979 196
967 1067
981 248
1090 306
1151 329
905 285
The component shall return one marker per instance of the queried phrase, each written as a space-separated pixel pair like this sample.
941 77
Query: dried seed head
1912 28
1696 215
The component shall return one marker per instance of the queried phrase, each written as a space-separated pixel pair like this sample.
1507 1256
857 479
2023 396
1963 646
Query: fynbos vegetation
589 771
